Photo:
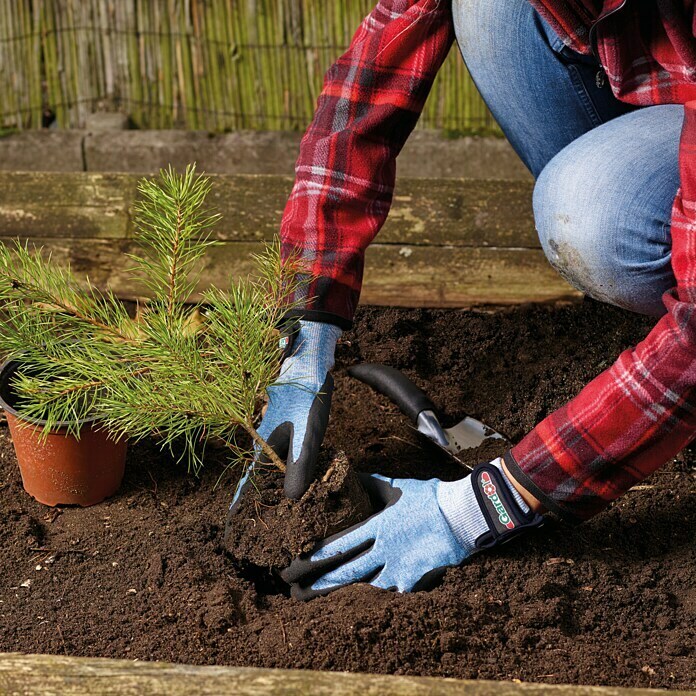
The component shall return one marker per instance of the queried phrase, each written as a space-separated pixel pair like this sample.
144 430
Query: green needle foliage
184 373
172 226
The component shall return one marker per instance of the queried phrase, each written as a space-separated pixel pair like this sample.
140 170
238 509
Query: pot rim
11 365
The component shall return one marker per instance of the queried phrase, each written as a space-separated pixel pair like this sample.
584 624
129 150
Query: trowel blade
469 434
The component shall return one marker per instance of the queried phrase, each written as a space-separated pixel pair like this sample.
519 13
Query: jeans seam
584 96
667 232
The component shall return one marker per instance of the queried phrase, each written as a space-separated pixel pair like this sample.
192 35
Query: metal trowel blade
469 434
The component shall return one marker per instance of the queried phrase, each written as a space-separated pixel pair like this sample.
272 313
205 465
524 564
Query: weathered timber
52 675
456 212
447 242
457 277
65 205
406 276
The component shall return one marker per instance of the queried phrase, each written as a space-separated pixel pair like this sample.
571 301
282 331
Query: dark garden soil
145 575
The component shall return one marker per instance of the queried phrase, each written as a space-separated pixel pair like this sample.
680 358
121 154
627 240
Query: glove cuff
311 355
506 513
480 507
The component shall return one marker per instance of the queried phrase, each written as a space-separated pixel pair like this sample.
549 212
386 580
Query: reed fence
202 64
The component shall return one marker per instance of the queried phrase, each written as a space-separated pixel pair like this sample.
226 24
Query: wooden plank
452 212
74 204
462 212
460 277
25 675
406 276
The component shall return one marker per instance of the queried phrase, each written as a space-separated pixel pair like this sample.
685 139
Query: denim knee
606 231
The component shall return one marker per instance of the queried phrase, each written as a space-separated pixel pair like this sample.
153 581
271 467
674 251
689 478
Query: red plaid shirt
640 412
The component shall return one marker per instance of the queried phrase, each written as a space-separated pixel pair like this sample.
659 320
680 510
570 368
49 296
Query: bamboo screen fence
202 64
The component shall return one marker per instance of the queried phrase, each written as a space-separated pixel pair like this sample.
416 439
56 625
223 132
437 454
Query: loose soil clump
489 449
269 530
146 575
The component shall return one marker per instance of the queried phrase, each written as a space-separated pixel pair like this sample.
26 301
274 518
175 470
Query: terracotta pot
62 470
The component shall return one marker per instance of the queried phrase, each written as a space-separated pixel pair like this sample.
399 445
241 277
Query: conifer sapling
178 371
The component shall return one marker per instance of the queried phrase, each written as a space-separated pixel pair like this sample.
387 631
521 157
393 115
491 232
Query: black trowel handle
395 386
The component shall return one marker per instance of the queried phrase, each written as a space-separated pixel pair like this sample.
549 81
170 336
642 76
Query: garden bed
145 575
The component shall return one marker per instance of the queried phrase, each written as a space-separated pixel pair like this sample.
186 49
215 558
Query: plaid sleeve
370 102
641 412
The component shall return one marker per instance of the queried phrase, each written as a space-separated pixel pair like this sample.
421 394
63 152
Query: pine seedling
184 373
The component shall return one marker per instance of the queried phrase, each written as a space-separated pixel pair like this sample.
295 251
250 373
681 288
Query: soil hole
266 581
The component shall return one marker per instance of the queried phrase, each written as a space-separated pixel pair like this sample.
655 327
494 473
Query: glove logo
491 492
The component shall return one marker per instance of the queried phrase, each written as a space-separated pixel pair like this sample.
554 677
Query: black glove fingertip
430 579
306 571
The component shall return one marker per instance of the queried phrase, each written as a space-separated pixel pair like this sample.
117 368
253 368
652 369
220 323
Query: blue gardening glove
298 408
424 527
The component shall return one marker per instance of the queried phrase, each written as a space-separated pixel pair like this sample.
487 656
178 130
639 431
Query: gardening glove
298 408
424 527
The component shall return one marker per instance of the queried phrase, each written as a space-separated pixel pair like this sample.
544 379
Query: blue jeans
606 174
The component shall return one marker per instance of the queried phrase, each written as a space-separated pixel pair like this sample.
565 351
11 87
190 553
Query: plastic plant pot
60 469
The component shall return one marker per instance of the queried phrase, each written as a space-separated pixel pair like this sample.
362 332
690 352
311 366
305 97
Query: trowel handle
395 386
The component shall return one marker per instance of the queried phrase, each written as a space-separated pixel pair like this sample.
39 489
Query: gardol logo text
491 493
